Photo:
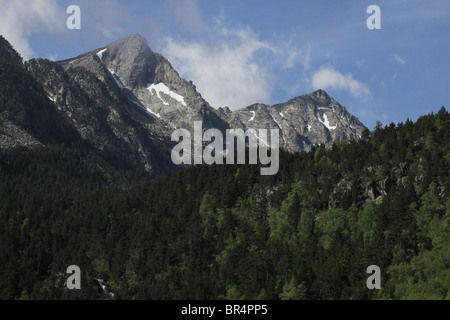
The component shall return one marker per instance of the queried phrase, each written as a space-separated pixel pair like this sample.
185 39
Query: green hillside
226 232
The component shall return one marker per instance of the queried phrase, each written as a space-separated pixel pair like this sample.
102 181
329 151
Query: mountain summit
304 121
124 101
131 59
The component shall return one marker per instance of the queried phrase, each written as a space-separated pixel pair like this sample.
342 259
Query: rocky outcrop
305 121
27 114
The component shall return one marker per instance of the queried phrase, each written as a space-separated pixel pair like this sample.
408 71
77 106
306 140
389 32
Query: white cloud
398 58
329 78
21 18
294 55
226 71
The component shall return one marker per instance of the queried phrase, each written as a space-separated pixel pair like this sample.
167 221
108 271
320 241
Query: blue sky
242 52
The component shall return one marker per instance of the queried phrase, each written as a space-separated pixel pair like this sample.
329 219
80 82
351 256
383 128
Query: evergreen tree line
226 232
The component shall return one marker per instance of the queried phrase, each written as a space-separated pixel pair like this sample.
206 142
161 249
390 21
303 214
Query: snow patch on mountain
100 54
116 79
154 113
326 122
161 87
327 108
147 109
253 117
279 126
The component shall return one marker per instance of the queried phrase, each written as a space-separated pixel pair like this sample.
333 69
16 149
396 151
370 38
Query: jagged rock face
27 116
157 86
126 99
131 60
104 114
303 122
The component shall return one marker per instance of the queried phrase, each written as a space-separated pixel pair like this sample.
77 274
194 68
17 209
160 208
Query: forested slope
226 232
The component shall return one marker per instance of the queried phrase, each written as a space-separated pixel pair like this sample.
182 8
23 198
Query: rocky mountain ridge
124 101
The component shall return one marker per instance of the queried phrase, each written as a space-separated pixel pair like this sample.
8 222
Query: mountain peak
132 41
131 59
134 36
320 94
